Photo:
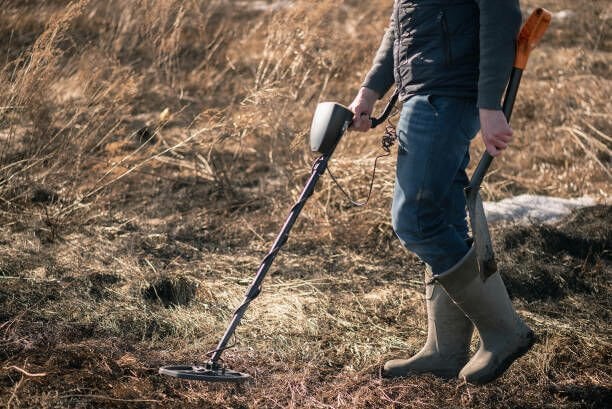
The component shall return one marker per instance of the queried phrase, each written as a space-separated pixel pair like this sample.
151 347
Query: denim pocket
470 120
430 101
462 111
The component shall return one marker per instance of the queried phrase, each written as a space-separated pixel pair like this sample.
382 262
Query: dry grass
149 151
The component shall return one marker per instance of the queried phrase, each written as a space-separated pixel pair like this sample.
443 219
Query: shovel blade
481 235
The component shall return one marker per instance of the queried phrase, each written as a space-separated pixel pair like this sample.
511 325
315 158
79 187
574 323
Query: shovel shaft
480 229
530 35
487 159
515 80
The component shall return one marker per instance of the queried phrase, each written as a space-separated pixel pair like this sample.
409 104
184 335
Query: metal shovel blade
206 373
481 235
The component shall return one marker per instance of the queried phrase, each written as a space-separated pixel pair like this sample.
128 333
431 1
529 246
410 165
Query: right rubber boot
504 336
449 333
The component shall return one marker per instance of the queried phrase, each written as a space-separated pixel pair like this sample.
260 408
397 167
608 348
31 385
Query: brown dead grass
149 151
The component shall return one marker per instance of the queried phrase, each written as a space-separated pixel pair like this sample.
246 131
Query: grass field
150 151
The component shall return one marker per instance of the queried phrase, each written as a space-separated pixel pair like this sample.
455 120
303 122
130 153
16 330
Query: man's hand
362 107
496 133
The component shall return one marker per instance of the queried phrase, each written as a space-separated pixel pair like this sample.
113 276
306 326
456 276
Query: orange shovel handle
530 35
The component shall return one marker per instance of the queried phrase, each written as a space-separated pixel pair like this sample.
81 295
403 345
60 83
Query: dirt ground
150 151
315 337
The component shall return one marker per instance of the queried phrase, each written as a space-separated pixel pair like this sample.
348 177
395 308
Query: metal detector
330 122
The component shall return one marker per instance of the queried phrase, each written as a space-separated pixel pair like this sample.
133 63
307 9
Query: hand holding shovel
529 36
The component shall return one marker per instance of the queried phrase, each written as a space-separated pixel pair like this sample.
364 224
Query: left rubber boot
449 333
504 337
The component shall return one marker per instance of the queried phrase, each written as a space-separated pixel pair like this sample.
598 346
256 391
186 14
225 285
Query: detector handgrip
390 105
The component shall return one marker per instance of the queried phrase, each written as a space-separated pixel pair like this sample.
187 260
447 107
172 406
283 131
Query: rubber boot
449 333
504 336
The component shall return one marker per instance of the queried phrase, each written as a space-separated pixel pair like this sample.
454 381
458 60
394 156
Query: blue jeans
428 212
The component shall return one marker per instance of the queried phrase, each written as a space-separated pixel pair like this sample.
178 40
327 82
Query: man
450 61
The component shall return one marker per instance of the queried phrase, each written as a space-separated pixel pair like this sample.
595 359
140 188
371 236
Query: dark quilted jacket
440 47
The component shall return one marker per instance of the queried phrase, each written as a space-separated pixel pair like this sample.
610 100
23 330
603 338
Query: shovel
528 38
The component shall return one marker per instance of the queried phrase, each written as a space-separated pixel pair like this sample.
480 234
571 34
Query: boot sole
398 373
446 376
505 364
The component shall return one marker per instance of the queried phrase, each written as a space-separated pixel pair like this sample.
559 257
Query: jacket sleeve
380 78
500 21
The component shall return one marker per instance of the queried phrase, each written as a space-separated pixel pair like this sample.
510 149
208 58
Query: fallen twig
26 373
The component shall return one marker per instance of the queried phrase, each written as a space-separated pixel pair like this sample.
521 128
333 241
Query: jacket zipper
398 38
446 35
